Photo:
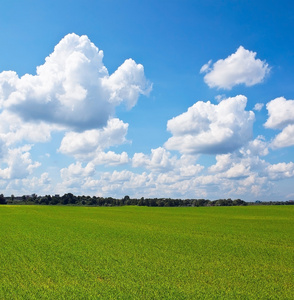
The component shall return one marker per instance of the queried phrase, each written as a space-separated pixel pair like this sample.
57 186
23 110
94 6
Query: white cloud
126 183
238 170
223 162
159 160
240 67
190 170
40 185
285 138
71 92
281 113
110 158
127 83
258 147
75 174
73 88
281 116
241 174
206 67
76 170
219 98
18 163
258 106
280 171
244 173
211 129
13 129
121 176
85 145
238 165
78 178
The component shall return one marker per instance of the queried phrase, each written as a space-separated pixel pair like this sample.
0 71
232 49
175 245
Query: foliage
66 252
2 199
70 199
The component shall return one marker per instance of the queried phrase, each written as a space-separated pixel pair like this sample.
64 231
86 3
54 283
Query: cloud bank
72 93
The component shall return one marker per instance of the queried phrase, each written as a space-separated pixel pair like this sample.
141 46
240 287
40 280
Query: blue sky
181 99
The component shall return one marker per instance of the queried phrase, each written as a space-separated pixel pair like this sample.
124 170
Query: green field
59 252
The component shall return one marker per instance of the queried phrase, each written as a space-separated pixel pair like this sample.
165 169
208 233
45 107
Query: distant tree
125 199
160 202
93 201
239 202
2 199
68 198
45 200
54 200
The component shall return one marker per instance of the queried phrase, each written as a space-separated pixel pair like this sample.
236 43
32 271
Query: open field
58 252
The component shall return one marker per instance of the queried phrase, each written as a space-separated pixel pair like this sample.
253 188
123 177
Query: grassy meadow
60 252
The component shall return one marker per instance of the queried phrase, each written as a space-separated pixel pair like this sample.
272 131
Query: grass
58 252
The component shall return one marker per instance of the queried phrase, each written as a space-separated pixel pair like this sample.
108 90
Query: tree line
71 199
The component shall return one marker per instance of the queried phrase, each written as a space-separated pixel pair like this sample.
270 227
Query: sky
180 99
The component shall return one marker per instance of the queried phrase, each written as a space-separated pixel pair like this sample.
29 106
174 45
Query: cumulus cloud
280 171
73 88
126 183
211 129
241 174
110 158
258 106
73 93
127 83
86 145
284 138
234 167
13 129
18 163
281 116
240 67
257 147
159 160
40 185
76 170
238 170
219 98
280 112
165 173
244 173
75 174
206 67
223 162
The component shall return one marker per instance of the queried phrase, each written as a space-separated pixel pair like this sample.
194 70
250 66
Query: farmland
59 252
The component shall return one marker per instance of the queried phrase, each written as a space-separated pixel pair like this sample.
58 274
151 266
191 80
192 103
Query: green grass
57 252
